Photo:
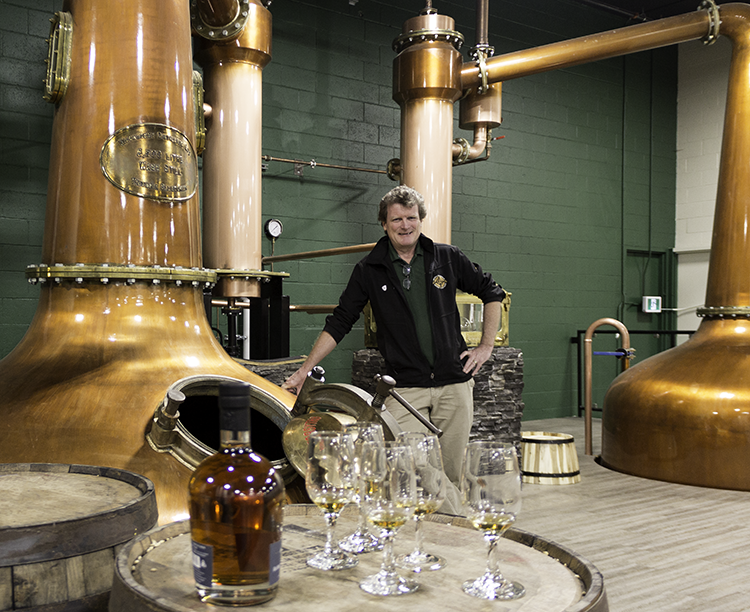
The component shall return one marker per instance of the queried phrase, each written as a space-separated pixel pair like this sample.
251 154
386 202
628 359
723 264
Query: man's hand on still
475 358
294 382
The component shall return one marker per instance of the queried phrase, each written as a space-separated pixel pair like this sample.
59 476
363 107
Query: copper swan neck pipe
631 39
729 265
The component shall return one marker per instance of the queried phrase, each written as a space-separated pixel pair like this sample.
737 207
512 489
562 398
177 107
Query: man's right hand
322 347
294 382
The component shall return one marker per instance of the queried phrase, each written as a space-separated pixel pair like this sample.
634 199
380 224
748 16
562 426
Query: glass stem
418 535
330 527
362 521
492 565
388 560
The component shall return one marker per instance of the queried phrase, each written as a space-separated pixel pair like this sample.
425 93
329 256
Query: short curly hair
406 196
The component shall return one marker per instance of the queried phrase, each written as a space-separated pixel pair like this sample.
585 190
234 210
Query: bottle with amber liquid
236 512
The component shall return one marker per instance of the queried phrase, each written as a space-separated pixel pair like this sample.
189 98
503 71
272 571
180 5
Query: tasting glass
362 541
330 481
431 490
389 497
491 490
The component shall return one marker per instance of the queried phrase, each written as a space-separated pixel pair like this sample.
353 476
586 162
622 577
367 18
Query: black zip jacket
374 279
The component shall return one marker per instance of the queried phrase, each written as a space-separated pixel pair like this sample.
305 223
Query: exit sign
651 303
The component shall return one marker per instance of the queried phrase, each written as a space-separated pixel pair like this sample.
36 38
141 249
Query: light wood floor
661 547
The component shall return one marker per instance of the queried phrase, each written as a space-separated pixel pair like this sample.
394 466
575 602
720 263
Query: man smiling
411 283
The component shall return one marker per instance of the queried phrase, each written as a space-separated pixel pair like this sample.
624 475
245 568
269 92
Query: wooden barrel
60 529
154 572
549 458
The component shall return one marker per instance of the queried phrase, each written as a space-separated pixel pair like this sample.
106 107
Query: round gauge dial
273 228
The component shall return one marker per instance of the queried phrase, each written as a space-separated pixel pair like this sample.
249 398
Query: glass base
233 595
388 584
336 561
490 586
360 542
419 561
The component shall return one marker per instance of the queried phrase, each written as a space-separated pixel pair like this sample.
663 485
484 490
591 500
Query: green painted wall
573 213
25 131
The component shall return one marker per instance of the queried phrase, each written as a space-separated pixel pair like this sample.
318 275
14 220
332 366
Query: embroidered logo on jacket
439 281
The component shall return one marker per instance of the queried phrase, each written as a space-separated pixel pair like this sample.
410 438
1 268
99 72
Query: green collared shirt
416 296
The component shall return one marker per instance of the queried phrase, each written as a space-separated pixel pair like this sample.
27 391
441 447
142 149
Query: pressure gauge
273 229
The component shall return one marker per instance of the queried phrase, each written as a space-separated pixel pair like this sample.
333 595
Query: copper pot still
683 415
120 322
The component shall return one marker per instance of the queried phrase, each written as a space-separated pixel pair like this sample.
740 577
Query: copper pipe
426 83
479 112
475 149
588 354
359 248
314 308
233 77
729 264
631 39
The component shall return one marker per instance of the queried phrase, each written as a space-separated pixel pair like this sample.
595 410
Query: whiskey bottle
236 504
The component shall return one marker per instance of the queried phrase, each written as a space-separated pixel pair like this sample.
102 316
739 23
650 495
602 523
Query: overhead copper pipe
631 39
359 248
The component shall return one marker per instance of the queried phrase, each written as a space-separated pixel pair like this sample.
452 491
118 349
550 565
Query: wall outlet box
651 303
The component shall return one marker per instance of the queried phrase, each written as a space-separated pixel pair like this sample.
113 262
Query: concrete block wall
575 202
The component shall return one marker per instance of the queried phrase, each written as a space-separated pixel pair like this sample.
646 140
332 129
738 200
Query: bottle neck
230 438
234 424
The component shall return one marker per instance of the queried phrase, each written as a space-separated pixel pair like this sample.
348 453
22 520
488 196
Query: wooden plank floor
661 547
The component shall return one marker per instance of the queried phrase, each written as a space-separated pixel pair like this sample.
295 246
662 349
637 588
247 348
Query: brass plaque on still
151 160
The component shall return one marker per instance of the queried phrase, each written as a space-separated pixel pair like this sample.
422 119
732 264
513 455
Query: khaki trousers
451 408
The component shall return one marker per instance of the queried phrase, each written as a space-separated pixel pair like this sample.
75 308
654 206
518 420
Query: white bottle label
274 559
203 561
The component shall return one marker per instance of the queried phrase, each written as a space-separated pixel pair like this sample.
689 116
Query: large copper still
121 319
684 415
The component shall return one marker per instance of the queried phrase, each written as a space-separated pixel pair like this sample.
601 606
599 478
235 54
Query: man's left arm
475 357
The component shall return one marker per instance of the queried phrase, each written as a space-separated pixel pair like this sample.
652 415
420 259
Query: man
411 284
